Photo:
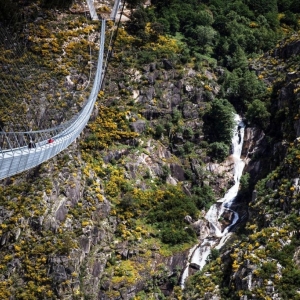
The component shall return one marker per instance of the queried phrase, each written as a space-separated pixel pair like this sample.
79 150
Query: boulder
177 172
167 64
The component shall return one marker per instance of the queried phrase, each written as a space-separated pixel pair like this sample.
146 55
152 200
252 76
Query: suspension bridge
23 150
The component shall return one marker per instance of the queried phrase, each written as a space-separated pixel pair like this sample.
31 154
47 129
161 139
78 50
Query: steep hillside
115 215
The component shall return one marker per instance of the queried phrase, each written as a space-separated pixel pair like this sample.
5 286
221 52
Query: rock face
254 145
286 50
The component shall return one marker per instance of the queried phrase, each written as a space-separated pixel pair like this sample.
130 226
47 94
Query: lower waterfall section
217 237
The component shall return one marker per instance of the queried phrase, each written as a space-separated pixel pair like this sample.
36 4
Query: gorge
216 233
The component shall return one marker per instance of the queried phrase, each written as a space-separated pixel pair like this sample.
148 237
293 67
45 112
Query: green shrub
203 196
159 129
218 151
258 114
173 235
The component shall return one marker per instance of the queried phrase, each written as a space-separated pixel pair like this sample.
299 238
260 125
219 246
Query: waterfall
217 238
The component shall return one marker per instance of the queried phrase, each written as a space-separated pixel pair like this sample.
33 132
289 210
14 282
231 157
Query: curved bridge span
36 147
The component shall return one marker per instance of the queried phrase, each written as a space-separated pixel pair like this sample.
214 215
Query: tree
262 6
295 6
203 37
218 151
170 21
8 9
242 87
239 59
203 196
284 5
138 22
250 86
290 19
258 114
133 4
205 18
219 122
159 129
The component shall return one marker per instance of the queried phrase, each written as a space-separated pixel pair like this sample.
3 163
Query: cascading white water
198 254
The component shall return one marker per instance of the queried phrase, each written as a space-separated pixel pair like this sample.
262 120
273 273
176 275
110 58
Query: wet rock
201 228
194 266
252 141
227 215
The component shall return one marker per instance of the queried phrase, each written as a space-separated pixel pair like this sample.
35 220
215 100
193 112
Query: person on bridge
31 144
50 141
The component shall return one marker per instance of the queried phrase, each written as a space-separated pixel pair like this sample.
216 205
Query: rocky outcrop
288 48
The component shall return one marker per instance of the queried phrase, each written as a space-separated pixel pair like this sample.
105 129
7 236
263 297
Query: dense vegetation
229 32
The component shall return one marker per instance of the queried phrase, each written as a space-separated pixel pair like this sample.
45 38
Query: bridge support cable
114 34
92 10
18 159
115 9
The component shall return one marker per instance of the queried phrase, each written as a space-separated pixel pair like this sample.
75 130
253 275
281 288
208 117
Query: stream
216 238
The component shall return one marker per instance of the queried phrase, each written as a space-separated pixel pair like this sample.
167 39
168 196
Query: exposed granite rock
289 49
252 141
58 273
177 172
138 126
